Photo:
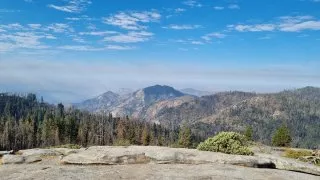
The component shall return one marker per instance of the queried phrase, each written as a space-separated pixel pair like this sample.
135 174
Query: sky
71 50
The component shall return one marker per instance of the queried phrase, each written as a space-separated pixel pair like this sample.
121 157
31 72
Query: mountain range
299 109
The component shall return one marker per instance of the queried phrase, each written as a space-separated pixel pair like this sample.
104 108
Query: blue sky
69 50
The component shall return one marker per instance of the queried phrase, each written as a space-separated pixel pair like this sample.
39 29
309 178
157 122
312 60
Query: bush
282 137
296 154
69 146
226 142
122 142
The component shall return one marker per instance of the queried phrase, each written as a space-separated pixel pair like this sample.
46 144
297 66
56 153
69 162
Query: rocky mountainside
298 109
132 104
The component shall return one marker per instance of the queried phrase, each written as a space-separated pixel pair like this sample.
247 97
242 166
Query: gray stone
13 159
164 155
32 159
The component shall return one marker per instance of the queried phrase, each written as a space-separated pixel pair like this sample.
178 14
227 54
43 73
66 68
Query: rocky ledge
153 156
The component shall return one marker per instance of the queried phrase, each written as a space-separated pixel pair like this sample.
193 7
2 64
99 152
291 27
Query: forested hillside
27 123
298 109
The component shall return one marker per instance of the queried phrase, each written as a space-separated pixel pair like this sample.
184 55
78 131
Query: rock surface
138 162
13 159
163 155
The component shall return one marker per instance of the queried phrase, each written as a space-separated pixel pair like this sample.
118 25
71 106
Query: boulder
13 159
32 159
39 152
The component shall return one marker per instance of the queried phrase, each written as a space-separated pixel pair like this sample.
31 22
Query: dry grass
296 154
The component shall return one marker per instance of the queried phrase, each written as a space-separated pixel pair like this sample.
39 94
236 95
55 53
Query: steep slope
188 109
133 104
138 102
298 109
104 101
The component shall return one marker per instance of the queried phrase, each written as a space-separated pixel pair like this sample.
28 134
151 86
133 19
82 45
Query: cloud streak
72 6
134 20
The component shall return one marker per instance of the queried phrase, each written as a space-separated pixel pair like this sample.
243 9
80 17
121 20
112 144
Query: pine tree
145 139
185 137
281 137
249 133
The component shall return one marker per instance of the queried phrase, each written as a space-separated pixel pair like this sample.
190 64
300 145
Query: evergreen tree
282 137
249 133
145 139
185 139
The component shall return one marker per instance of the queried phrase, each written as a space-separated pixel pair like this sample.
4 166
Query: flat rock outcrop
139 162
163 155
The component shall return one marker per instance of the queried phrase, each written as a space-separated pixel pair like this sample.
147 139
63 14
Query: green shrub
226 142
69 146
281 137
296 154
122 142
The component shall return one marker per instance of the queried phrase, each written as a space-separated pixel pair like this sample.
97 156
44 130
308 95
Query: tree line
27 123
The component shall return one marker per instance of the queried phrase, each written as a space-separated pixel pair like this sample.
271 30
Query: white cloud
234 6
255 28
17 40
208 37
98 33
90 48
117 47
179 10
78 39
73 19
34 26
284 23
73 6
197 42
130 37
80 48
132 20
14 26
59 28
218 8
9 11
182 27
192 3
28 1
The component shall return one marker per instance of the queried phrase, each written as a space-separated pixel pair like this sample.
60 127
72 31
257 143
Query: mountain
195 92
298 109
103 101
132 104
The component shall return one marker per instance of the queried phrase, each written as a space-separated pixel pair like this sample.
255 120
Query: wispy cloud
218 8
285 24
98 33
9 11
34 26
80 48
255 28
210 36
14 26
132 20
182 27
192 3
130 37
72 6
90 48
179 10
118 47
59 28
234 6
17 40
188 41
